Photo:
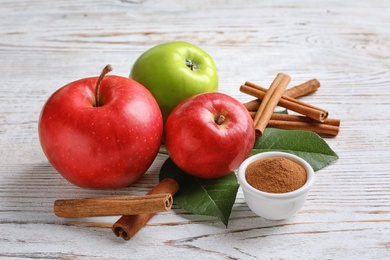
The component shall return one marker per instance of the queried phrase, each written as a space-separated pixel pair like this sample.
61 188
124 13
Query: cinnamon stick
308 110
112 206
298 118
269 102
128 225
253 105
297 91
330 126
303 89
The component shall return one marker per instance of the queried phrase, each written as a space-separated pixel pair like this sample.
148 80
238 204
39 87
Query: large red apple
101 132
209 135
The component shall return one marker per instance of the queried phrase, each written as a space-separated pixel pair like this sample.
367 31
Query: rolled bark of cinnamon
330 126
300 107
303 89
270 100
297 91
128 225
253 105
112 206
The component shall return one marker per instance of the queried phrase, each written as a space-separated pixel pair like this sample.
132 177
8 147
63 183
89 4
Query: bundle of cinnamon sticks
311 118
136 210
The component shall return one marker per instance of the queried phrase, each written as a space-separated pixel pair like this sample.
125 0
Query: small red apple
209 135
101 132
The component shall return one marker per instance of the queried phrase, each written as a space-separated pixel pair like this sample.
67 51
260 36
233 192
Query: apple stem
190 64
105 70
219 119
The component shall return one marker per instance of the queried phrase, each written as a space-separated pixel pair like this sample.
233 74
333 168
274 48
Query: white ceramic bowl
275 206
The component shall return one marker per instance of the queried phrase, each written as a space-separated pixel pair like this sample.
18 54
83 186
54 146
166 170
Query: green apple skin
174 71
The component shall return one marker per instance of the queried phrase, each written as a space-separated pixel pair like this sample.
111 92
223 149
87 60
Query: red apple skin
102 147
200 146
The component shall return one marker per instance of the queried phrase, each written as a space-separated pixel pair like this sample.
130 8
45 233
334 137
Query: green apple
174 71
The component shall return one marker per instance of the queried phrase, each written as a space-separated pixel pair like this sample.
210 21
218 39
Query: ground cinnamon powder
276 175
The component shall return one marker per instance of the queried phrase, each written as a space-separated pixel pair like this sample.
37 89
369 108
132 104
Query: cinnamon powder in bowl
276 175
275 184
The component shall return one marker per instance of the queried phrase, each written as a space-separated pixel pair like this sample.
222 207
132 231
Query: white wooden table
344 44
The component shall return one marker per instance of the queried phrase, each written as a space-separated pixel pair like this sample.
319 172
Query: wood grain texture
344 44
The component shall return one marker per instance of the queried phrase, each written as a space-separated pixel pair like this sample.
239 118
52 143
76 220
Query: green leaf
305 144
211 197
